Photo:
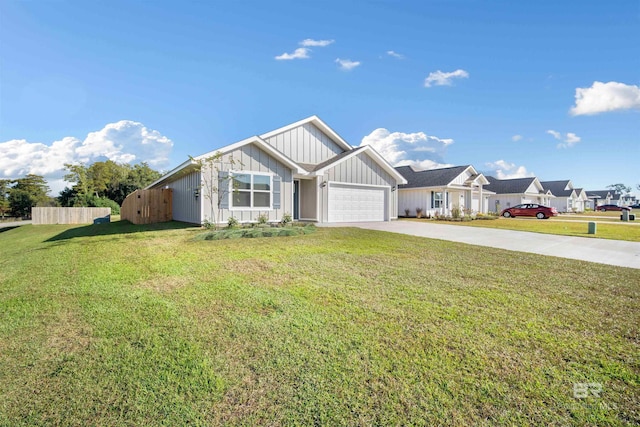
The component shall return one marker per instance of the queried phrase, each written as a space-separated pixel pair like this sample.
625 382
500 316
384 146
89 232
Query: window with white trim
437 199
251 191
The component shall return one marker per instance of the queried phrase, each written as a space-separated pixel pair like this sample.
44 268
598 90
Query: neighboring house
628 200
304 169
565 195
581 201
599 197
438 191
512 192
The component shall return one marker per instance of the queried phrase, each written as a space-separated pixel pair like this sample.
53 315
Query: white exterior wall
562 204
250 158
358 169
305 144
185 206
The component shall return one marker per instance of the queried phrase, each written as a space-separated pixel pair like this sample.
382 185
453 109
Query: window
251 191
437 199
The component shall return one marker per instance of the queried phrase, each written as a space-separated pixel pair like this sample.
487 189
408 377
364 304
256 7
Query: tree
21 203
28 192
215 187
4 197
620 188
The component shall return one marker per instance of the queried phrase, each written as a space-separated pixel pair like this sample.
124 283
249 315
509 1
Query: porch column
481 202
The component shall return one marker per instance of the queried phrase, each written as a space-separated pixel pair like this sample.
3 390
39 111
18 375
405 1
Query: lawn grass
117 324
605 230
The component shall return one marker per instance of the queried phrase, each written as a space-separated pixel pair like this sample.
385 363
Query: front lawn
116 324
558 225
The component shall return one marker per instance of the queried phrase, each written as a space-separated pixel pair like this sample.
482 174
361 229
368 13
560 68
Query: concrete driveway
612 252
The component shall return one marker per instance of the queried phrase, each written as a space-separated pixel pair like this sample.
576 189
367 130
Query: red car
604 208
529 209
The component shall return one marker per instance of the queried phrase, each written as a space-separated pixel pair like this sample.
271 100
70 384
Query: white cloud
347 64
555 134
299 53
516 138
317 43
506 170
603 97
124 142
439 78
395 54
569 140
417 149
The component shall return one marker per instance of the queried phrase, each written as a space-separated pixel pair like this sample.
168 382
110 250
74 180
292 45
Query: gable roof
598 194
512 186
558 188
320 168
315 120
430 177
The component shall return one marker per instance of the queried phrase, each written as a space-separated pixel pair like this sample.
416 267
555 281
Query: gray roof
557 188
509 186
430 177
598 194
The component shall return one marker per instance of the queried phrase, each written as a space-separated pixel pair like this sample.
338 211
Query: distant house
511 192
439 191
599 197
581 202
304 169
566 198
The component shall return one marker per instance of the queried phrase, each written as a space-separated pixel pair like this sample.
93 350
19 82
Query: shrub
418 212
262 219
406 212
286 218
103 202
232 222
455 212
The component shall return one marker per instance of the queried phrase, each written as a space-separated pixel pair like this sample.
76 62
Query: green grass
605 229
118 324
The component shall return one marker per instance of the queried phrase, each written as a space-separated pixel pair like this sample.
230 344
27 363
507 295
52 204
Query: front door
296 199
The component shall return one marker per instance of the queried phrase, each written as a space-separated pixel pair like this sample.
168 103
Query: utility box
624 216
592 227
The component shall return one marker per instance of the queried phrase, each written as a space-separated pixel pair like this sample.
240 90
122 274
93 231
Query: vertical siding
305 144
251 158
462 178
413 199
186 207
359 169
308 198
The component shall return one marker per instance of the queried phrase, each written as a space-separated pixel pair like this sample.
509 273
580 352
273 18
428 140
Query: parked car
604 208
529 209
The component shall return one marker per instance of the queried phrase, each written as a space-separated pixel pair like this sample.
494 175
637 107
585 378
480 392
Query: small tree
620 188
216 183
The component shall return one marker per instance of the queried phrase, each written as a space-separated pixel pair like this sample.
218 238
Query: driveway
13 224
612 252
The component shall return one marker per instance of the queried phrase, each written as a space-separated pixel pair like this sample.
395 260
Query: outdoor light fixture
393 188
196 193
323 184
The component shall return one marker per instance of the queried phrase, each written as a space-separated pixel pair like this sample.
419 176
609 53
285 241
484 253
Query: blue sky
428 83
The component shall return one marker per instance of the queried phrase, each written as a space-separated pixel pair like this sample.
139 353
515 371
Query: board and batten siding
461 179
250 158
305 144
185 206
415 198
358 169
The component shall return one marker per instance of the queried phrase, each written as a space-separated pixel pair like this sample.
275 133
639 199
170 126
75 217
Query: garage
356 203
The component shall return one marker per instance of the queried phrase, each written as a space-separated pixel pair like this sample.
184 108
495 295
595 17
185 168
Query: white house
566 198
304 169
439 191
511 192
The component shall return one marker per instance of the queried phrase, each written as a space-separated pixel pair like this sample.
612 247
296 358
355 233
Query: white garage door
352 203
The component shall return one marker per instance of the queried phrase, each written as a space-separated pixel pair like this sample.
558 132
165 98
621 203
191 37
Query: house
304 169
565 195
599 197
511 192
581 202
439 191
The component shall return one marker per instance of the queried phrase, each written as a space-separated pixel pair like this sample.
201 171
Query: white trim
308 219
353 184
261 143
318 123
173 171
377 157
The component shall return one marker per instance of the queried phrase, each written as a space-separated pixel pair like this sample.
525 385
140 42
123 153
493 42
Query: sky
545 88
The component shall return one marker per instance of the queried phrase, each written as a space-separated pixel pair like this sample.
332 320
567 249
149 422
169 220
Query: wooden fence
69 215
148 206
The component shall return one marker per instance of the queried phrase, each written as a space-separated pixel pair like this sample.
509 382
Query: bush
418 212
262 219
286 218
232 222
103 202
455 212
406 212
255 232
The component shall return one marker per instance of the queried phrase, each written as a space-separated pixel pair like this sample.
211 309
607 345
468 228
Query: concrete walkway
612 252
